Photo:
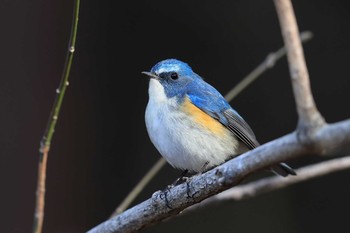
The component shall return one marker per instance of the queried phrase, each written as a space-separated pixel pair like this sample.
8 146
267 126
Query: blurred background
101 149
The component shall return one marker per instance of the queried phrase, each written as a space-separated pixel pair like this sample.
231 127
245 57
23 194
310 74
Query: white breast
182 142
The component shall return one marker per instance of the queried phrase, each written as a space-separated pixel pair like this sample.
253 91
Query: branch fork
312 136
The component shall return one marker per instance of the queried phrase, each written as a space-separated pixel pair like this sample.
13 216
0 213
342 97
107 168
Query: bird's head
174 76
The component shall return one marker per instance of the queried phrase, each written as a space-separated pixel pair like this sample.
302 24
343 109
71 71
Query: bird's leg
204 168
178 181
181 179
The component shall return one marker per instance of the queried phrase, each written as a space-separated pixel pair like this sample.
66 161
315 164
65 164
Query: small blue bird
191 124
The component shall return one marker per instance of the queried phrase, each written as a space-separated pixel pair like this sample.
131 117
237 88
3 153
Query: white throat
156 91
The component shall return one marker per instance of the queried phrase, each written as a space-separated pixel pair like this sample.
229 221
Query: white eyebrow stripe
168 68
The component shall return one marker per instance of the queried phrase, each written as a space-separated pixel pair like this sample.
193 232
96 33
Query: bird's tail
283 169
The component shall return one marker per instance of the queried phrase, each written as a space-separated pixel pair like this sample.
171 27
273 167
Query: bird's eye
174 76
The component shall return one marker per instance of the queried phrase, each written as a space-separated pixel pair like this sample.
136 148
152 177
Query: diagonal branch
266 64
225 176
269 184
324 138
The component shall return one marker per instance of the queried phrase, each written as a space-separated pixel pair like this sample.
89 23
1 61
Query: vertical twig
309 116
50 128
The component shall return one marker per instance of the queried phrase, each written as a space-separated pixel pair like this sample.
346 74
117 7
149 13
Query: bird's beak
151 75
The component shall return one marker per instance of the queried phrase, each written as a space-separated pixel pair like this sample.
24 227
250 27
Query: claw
164 195
181 179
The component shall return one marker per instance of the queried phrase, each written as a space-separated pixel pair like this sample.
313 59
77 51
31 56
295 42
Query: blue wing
209 100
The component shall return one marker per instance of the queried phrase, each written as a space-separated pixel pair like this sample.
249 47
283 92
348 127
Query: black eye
174 76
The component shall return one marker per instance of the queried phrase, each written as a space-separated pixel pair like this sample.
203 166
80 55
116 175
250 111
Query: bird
191 124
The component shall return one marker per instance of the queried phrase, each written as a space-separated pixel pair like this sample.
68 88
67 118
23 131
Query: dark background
101 149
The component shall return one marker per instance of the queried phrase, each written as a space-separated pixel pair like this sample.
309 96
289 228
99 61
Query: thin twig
139 187
268 63
50 128
329 138
273 183
164 205
309 116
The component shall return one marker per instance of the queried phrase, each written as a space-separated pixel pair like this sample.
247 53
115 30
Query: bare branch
140 186
268 63
325 139
225 176
306 108
269 184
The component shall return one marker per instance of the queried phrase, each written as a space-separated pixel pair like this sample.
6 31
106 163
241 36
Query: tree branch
311 130
225 176
269 184
309 117
266 64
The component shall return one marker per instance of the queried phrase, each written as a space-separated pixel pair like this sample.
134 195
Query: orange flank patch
202 118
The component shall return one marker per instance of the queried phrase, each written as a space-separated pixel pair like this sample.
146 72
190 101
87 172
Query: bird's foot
183 178
164 195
